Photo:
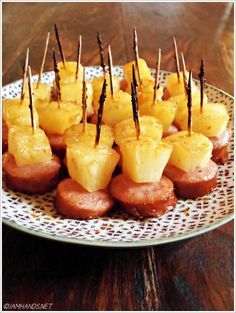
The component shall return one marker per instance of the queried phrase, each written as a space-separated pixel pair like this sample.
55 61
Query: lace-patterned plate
36 214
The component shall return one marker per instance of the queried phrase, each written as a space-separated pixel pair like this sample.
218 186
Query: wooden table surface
196 274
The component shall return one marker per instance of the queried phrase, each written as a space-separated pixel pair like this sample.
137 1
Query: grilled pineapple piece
144 160
150 127
67 74
97 88
211 122
117 109
176 87
189 152
75 134
145 72
72 92
42 92
15 113
55 120
164 111
146 92
90 166
28 146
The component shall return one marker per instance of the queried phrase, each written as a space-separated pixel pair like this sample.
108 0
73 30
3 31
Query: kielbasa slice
143 199
57 144
74 201
35 178
220 144
190 185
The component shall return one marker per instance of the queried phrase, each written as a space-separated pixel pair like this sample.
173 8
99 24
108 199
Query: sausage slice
220 144
74 201
35 178
143 199
190 185
57 144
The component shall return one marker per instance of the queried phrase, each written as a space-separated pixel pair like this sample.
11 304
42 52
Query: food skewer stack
164 141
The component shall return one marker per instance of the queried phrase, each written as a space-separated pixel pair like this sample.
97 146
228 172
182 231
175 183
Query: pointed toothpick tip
110 64
31 99
135 110
176 57
43 59
25 70
60 45
189 103
100 112
157 74
78 59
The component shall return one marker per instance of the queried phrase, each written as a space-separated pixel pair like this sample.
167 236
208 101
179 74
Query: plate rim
121 244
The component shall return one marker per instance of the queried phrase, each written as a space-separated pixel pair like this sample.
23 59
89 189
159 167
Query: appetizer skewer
141 189
85 195
190 166
29 165
210 120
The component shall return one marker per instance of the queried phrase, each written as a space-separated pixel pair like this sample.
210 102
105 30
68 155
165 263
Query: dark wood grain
190 275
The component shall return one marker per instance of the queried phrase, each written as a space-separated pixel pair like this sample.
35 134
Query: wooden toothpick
184 74
134 77
189 89
25 69
84 103
31 98
100 112
202 83
59 45
156 84
110 65
43 60
135 110
101 52
176 57
57 78
78 60
136 54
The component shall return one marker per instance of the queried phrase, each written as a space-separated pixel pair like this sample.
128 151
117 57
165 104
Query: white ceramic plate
36 214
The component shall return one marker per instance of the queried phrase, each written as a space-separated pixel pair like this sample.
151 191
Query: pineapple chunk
189 152
67 74
145 72
117 109
181 102
15 113
146 92
75 134
175 87
211 122
97 88
90 166
164 111
55 120
72 92
144 160
28 146
41 93
149 127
